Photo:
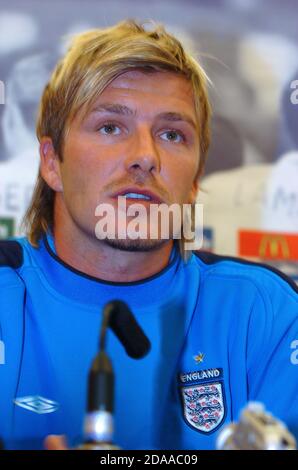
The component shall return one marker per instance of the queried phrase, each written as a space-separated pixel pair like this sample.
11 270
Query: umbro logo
37 404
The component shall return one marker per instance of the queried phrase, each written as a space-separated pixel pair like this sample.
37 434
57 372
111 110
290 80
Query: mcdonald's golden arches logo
268 245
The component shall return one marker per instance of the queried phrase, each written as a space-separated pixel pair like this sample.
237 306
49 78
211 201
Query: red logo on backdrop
268 245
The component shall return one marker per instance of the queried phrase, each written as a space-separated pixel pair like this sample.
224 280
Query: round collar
81 287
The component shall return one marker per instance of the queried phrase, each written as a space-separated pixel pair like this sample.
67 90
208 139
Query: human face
139 135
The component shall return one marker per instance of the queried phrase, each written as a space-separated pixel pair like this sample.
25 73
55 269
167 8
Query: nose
143 155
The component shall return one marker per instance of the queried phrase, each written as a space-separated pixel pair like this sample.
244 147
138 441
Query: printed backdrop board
249 50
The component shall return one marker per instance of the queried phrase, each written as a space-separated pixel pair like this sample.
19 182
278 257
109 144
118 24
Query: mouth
138 195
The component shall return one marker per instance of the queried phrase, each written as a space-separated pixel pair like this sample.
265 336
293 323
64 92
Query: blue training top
222 331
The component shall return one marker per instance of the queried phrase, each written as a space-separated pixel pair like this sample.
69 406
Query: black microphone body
99 426
125 327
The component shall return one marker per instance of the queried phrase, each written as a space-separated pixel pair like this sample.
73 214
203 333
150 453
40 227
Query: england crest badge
203 400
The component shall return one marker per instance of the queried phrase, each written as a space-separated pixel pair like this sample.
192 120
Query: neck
94 257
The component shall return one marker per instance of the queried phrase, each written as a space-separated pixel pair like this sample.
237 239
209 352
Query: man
126 114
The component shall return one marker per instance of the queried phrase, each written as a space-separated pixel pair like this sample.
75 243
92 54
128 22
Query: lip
145 192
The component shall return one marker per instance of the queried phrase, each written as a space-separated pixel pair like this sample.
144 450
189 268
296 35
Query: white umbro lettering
37 404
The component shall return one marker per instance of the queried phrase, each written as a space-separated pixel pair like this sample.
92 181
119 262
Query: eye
173 136
110 129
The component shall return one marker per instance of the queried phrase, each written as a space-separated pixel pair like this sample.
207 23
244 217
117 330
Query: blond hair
95 58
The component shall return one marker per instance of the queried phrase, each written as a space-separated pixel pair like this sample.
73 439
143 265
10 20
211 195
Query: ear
50 164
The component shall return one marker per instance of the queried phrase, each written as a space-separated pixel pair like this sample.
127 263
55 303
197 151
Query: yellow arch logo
274 245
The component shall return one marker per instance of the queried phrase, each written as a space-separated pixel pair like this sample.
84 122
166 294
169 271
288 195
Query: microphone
98 427
125 327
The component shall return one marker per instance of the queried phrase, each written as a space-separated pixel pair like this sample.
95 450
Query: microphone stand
99 425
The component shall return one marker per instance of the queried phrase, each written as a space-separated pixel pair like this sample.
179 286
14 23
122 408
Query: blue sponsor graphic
208 239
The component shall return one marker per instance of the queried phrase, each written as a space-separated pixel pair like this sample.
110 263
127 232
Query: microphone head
125 327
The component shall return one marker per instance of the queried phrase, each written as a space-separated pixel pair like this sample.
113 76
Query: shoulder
12 260
262 299
265 278
11 254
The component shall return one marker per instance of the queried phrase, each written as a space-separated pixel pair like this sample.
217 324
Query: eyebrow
113 108
125 111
